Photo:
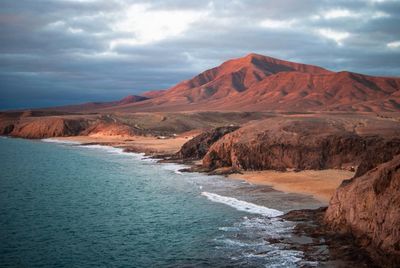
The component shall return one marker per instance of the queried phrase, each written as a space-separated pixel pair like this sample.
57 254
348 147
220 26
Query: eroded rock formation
197 147
299 143
369 208
49 127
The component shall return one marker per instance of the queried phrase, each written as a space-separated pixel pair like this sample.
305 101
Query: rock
49 127
197 147
378 154
329 249
6 128
298 143
109 129
368 207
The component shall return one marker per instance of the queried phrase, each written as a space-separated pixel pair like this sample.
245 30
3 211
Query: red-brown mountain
261 83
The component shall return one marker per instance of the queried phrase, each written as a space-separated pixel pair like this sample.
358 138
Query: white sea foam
60 141
243 205
113 150
174 167
229 229
107 148
232 242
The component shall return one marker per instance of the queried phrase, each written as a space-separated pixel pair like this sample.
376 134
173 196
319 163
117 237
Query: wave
113 150
60 141
242 205
174 167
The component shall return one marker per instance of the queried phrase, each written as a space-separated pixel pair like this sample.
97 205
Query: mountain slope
260 83
235 76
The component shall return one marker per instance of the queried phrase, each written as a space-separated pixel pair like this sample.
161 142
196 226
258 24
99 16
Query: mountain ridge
261 83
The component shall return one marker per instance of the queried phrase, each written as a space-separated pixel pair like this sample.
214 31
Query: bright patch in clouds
347 14
277 24
395 44
339 13
148 26
336 36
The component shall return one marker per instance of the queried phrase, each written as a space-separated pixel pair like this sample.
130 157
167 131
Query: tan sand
321 184
153 145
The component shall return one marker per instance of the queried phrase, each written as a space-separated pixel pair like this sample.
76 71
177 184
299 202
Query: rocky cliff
368 207
307 142
197 147
48 127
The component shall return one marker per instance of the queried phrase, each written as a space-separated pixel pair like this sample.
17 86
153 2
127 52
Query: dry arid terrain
297 127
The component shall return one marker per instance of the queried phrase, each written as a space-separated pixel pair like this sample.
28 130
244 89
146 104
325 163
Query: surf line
242 205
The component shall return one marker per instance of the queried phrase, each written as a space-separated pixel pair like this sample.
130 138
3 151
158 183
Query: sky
56 52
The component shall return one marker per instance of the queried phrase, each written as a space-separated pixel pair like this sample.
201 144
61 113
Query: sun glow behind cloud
145 25
393 45
336 36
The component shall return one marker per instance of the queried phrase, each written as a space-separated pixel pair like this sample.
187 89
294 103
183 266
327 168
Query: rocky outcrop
109 129
297 143
369 208
6 128
197 147
378 154
49 127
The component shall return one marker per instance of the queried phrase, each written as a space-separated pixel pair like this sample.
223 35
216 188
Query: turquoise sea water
66 205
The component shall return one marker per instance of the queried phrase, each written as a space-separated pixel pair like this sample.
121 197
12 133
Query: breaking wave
243 205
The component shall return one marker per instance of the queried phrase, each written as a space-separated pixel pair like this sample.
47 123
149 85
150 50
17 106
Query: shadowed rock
307 142
368 207
197 147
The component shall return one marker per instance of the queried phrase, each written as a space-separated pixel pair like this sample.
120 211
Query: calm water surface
65 205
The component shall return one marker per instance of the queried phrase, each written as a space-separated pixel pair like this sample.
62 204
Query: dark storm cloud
66 51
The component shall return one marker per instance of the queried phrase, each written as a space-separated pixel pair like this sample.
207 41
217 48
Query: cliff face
6 128
369 207
197 147
298 143
48 127
377 155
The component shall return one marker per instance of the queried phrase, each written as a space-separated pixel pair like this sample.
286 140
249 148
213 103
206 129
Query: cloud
149 26
338 37
395 44
66 51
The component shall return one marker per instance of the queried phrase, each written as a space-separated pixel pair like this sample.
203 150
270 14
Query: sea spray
52 140
242 205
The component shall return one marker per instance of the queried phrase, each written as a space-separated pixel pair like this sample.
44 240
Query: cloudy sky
55 52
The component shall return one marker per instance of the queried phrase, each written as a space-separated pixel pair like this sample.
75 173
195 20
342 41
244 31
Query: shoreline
148 145
308 224
320 184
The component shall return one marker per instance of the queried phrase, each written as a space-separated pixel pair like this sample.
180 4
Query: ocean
68 205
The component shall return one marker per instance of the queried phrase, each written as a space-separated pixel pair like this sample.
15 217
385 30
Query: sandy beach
145 144
321 184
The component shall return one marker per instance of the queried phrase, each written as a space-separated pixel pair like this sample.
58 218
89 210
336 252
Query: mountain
260 83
